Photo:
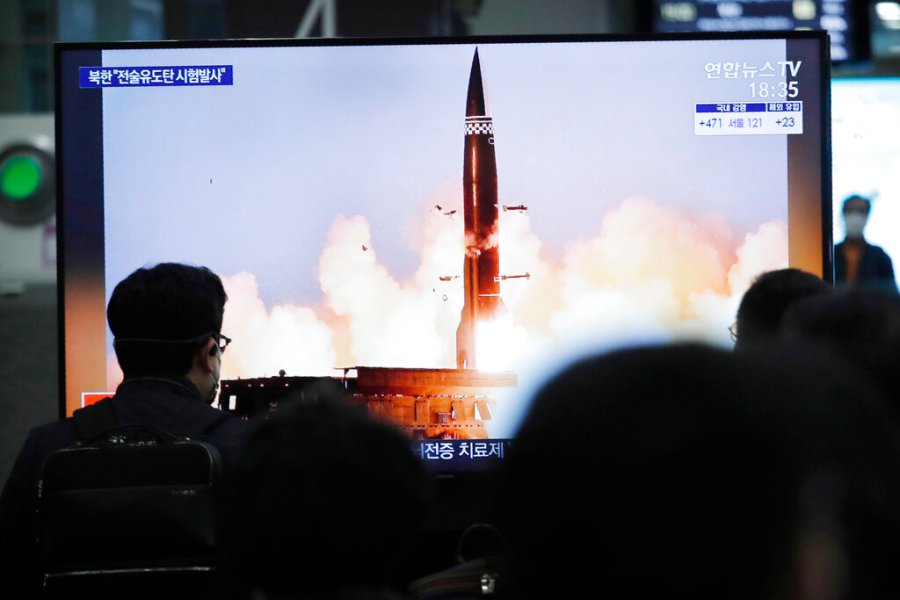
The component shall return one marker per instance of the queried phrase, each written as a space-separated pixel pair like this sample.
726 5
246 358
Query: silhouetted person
860 326
166 321
692 472
856 261
763 304
328 503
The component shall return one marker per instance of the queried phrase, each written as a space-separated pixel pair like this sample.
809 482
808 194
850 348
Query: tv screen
866 155
437 224
846 21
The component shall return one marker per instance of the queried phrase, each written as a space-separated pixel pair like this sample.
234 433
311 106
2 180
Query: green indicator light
20 177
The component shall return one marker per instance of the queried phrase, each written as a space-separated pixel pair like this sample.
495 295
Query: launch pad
424 403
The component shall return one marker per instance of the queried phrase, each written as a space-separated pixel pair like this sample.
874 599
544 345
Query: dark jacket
875 267
156 402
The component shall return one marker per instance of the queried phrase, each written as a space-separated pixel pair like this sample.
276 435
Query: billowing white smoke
639 272
762 250
649 271
651 274
389 324
292 338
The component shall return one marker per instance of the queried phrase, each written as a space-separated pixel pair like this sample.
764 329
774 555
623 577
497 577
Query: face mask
214 377
215 389
855 223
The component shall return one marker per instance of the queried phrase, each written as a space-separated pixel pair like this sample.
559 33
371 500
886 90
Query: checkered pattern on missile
480 128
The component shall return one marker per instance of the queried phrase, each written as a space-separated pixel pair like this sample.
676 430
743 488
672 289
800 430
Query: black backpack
130 511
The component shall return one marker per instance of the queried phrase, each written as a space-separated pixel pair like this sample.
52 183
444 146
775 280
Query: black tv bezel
61 48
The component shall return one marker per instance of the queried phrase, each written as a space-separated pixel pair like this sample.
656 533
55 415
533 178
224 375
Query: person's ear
207 354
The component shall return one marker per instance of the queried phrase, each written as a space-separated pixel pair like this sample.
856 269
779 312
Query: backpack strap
91 421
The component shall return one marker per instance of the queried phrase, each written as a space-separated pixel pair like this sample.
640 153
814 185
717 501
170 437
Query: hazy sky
250 177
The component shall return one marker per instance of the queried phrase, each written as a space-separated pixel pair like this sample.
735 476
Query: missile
481 267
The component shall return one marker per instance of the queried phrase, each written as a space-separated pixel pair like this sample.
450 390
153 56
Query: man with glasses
166 322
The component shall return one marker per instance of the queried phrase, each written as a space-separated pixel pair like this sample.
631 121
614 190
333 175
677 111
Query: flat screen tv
866 156
438 224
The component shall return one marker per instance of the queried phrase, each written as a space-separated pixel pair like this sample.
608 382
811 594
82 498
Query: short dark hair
768 297
856 198
694 471
168 302
325 487
860 325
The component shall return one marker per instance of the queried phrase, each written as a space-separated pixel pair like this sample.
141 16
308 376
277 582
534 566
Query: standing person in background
857 262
